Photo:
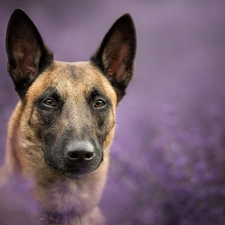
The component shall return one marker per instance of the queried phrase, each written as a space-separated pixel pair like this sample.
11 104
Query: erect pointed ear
115 56
27 54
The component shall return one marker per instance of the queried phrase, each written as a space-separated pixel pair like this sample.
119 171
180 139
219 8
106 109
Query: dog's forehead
76 78
76 70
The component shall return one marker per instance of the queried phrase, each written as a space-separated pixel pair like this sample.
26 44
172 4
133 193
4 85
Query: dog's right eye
50 102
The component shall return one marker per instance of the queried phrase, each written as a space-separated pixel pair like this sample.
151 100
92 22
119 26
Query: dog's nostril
88 156
80 155
73 155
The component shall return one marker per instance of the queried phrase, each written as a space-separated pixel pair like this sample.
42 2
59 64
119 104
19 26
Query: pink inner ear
110 72
117 62
27 60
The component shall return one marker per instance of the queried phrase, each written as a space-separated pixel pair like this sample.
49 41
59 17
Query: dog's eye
50 102
99 103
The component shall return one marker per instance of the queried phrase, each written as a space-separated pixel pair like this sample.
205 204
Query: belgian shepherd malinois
60 133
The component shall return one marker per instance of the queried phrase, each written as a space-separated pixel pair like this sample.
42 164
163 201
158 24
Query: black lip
74 173
79 172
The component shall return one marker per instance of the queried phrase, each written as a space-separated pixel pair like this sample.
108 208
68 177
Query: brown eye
50 102
99 103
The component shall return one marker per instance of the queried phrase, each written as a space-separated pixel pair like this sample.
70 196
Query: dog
60 133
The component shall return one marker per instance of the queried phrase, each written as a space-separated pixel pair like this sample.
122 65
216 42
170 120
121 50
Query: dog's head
68 109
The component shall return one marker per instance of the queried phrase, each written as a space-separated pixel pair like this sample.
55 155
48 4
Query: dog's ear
115 56
27 54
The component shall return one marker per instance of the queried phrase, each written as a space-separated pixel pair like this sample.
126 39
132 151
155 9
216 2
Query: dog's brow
48 92
97 91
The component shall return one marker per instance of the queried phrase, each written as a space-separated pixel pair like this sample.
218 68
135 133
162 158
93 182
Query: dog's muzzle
76 159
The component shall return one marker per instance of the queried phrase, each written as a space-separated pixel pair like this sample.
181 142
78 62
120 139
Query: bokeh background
168 158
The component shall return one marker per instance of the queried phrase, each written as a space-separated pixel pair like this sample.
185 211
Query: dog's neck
53 218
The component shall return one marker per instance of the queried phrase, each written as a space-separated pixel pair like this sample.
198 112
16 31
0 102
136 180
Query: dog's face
69 108
73 116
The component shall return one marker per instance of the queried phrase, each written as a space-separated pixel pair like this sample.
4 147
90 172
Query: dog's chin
78 175
73 173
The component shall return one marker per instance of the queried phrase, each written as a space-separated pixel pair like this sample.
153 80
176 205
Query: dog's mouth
74 171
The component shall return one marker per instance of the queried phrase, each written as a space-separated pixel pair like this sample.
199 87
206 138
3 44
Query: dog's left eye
99 103
50 102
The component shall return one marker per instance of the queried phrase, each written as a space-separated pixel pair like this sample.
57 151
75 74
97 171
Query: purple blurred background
168 158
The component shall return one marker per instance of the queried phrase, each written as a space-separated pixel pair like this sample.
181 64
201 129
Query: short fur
66 112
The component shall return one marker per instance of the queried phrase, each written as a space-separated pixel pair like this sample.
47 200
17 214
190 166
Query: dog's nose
80 151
